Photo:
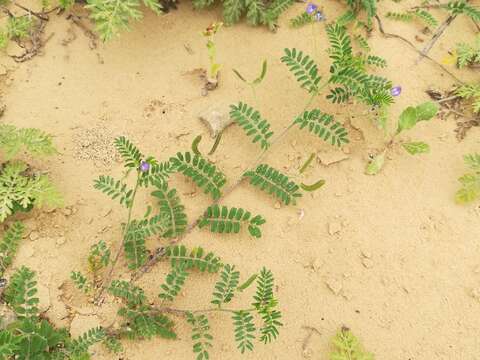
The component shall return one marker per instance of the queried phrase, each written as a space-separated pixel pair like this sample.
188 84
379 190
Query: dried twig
435 37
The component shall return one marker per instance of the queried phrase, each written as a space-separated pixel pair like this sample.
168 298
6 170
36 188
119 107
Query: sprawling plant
32 337
348 347
410 117
17 29
21 188
470 182
421 15
470 92
468 54
360 12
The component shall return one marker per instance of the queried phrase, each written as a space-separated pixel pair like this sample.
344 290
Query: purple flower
396 90
319 16
144 166
311 8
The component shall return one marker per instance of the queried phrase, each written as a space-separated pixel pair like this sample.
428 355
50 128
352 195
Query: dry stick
160 252
395 36
435 37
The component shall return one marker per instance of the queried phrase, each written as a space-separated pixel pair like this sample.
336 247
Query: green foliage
233 10
257 80
265 304
114 189
141 322
132 295
303 68
99 256
376 61
195 259
226 221
412 115
274 183
376 164
356 7
130 153
113 16
113 344
225 287
252 123
134 245
416 147
20 294
348 71
173 283
171 207
273 12
362 42
19 27
34 141
201 171
66 4
324 126
348 347
80 345
9 245
8 344
462 7
200 335
468 54
302 19
244 330
420 14
471 91
255 11
470 182
80 281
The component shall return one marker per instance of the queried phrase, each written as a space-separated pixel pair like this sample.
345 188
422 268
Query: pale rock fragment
216 118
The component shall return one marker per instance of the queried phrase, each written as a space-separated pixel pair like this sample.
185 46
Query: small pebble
34 236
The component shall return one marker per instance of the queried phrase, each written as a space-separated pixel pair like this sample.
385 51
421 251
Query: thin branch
435 37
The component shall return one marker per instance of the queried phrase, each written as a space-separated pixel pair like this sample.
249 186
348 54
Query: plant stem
182 312
108 278
160 252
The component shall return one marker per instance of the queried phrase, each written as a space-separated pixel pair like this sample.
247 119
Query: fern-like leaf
233 10
470 182
252 123
133 295
405 17
114 189
301 19
265 304
196 259
130 153
35 141
244 330
274 10
173 283
274 183
426 17
113 344
134 246
255 11
8 344
226 285
159 172
20 294
223 220
143 323
324 126
200 335
348 347
80 281
9 245
303 68
80 345
201 171
172 209
376 61
340 44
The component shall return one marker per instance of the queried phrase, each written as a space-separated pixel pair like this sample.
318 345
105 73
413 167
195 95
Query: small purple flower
396 90
319 16
311 8
144 166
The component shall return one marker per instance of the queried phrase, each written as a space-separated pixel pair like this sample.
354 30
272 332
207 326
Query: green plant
32 337
21 188
17 28
257 12
254 83
470 182
468 54
348 347
457 7
408 119
356 8
9 245
214 68
417 14
470 92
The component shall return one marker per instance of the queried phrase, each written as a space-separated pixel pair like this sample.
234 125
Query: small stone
217 118
317 264
368 263
334 285
277 205
334 228
67 211
366 254
34 236
60 240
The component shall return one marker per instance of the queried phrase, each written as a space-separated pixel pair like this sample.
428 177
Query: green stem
108 278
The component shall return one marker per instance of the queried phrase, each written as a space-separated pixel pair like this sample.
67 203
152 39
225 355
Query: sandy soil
390 256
